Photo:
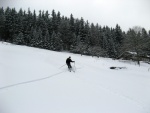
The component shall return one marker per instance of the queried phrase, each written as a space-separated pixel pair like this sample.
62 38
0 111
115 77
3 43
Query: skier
68 61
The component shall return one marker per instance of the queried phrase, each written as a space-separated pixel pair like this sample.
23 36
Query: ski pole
74 66
62 66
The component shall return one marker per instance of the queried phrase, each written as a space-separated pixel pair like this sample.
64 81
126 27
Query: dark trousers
69 65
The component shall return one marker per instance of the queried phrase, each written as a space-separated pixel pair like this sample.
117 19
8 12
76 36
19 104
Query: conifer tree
19 39
54 21
34 37
47 40
58 21
2 24
72 24
82 31
118 37
8 25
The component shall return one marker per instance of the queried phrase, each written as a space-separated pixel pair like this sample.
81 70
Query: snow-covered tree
19 39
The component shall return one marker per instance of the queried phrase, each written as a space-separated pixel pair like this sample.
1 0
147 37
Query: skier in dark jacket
68 61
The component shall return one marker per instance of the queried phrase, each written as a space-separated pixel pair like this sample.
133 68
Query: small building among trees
127 55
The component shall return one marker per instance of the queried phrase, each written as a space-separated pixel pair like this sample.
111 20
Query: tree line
59 33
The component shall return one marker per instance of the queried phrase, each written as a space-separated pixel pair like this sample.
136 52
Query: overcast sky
126 13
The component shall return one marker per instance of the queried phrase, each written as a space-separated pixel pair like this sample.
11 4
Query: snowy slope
31 81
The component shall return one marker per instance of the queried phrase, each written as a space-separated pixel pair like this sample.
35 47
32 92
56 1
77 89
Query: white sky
126 13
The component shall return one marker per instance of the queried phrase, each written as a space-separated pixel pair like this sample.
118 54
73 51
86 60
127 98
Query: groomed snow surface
37 81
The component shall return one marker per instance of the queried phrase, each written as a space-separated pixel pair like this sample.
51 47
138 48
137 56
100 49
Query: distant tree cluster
60 33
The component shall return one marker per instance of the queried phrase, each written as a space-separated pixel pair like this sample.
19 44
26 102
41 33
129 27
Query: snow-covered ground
35 81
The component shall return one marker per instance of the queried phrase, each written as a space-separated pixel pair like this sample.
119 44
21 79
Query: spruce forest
59 33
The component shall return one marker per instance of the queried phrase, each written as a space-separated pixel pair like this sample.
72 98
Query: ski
71 69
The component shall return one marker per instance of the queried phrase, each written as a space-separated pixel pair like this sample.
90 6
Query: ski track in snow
30 81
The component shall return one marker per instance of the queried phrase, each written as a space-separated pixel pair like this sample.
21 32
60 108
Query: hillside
37 81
